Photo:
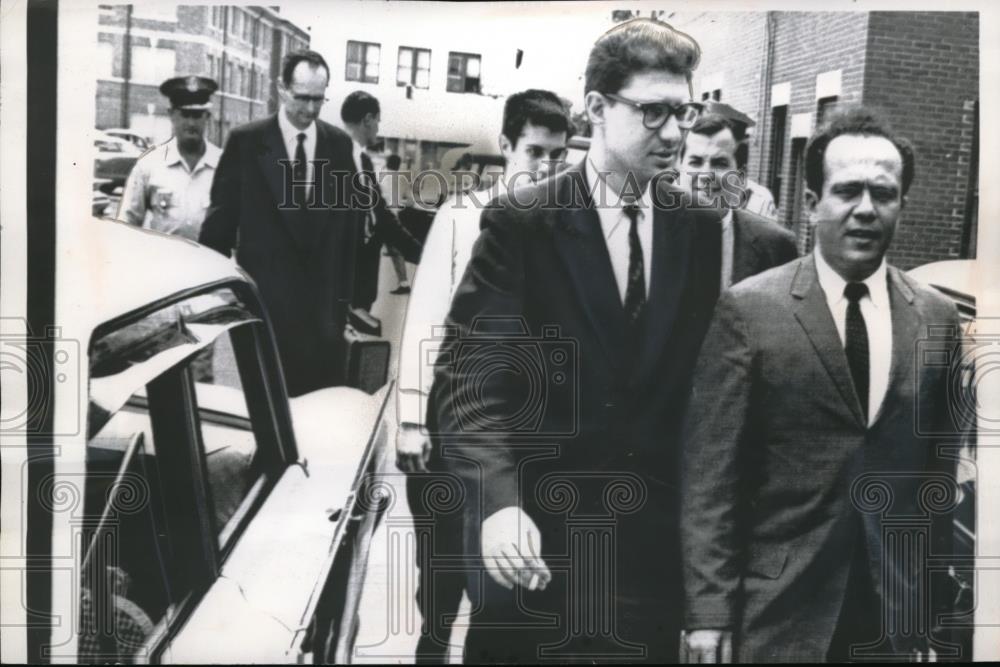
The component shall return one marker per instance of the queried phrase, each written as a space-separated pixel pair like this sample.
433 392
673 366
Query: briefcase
367 362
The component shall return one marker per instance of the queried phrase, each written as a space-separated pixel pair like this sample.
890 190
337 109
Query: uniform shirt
878 322
290 136
162 193
615 226
446 253
760 201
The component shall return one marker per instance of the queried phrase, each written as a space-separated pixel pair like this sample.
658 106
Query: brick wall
734 54
807 44
923 72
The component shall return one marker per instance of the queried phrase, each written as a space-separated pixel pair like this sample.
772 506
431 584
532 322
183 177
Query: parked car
114 161
961 281
137 140
209 518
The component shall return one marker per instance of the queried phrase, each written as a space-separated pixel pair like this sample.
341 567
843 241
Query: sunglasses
193 113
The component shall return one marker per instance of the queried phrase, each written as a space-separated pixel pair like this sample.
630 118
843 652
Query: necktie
856 342
368 176
635 292
299 170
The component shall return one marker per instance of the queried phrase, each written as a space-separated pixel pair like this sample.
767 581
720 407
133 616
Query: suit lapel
746 250
814 316
579 242
905 331
296 222
672 242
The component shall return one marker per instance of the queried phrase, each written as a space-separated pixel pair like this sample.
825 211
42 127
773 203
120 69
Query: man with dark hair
750 243
361 114
808 410
281 199
572 471
533 141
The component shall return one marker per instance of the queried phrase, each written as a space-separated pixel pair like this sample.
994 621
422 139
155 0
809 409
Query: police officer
169 187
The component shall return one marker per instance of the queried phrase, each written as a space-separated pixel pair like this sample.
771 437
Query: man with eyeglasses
282 200
169 186
591 290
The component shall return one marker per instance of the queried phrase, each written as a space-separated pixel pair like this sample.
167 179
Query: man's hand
413 448
707 646
511 544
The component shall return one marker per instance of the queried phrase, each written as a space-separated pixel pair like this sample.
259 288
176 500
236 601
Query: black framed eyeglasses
656 114
306 99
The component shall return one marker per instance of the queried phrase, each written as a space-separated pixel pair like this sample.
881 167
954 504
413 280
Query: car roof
956 275
111 269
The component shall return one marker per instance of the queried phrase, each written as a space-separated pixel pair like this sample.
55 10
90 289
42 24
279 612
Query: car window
176 464
129 579
235 472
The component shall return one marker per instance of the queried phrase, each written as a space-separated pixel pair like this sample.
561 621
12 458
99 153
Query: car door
201 518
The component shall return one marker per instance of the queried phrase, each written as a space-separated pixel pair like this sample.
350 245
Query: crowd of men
679 480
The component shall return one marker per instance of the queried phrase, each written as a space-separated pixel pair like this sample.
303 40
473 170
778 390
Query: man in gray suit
805 438
709 168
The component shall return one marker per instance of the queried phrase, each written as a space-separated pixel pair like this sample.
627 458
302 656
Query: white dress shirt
162 193
446 253
878 321
290 134
615 226
728 248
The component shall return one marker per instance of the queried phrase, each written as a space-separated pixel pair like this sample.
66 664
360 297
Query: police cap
189 92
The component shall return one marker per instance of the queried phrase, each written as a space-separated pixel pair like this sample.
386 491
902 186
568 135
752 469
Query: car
114 161
198 514
139 141
961 281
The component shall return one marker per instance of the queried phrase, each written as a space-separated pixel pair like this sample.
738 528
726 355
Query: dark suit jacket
301 259
388 231
589 411
778 457
759 244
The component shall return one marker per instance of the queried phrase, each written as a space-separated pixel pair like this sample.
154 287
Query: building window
779 119
105 60
824 107
247 28
463 72
414 67
362 62
797 174
153 66
155 11
229 77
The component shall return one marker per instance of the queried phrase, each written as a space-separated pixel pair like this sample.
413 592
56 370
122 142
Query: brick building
140 46
788 70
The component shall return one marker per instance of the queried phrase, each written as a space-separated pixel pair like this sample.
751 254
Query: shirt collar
833 284
290 132
210 159
610 210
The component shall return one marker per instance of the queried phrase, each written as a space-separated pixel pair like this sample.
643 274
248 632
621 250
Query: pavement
389 620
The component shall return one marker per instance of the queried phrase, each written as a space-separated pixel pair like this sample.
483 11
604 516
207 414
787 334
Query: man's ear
506 148
902 202
812 200
595 104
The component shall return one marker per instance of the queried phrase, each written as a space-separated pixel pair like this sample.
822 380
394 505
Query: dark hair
636 46
393 162
855 121
539 107
357 105
293 58
709 124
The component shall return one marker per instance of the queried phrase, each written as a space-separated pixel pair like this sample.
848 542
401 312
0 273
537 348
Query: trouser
441 578
614 597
